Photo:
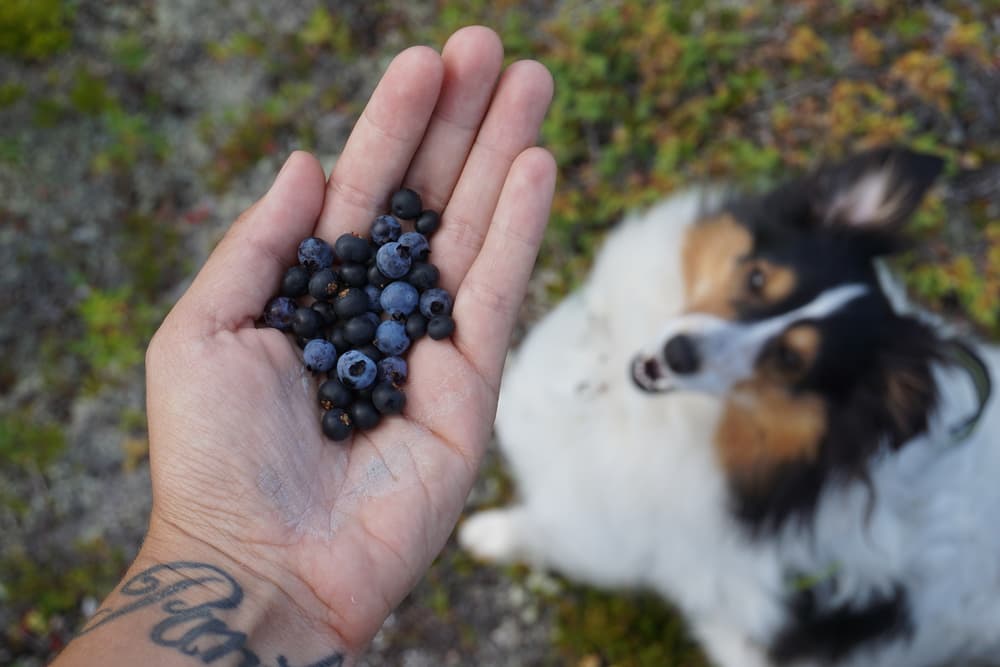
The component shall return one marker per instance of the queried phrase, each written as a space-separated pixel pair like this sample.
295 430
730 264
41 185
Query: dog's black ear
877 189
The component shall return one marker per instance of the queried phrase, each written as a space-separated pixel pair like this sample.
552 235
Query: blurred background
132 134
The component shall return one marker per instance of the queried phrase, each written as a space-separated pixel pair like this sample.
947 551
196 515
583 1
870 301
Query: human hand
242 476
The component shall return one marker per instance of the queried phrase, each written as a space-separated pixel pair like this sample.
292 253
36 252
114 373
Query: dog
740 410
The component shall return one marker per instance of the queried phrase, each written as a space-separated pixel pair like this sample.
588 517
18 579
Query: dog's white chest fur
622 489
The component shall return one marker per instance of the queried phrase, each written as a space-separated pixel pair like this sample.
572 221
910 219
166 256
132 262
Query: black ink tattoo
192 628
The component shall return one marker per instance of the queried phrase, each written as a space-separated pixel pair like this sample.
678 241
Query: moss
26 442
34 29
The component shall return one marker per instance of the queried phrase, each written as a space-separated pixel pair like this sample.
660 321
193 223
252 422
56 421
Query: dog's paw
490 535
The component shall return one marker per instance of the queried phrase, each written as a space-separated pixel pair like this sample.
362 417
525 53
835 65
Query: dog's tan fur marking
779 281
710 257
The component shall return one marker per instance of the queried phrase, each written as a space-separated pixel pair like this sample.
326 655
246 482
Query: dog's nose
681 355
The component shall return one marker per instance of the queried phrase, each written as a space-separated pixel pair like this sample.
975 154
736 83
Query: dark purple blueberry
388 399
370 351
332 394
417 244
423 276
356 370
399 299
427 223
385 228
393 260
337 424
393 369
279 313
319 355
326 311
376 278
302 342
434 302
295 281
307 323
324 284
354 275
416 326
390 337
406 204
350 302
440 326
337 337
315 254
364 415
359 330
374 296
352 249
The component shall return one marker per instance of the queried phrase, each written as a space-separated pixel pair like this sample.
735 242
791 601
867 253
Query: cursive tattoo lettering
191 624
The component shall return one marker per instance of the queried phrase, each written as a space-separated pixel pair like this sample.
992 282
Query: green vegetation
34 29
26 442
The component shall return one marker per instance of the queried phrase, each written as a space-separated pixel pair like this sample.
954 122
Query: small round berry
359 330
319 355
393 260
385 228
354 275
307 323
350 302
374 298
324 284
356 370
332 394
434 302
440 326
406 204
338 338
372 352
295 281
364 415
417 244
315 254
279 313
393 369
399 299
326 311
391 338
423 276
388 399
376 278
351 248
428 222
416 326
337 424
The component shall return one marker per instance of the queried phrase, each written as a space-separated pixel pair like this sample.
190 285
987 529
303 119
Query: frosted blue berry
393 369
374 298
434 302
393 260
279 313
417 244
356 370
319 355
385 228
399 299
391 338
315 254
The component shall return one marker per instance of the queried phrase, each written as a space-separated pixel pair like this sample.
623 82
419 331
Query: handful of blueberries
371 298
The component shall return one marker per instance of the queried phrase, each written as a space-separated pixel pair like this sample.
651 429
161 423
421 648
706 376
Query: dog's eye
756 279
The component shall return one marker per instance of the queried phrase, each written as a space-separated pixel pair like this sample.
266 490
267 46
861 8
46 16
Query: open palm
239 462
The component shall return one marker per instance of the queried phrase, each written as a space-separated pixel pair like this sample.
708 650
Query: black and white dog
740 411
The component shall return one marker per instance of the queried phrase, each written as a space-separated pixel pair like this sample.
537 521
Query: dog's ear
877 189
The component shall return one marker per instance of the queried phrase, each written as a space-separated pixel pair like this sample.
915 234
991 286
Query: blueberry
393 369
399 299
359 330
388 399
416 326
337 424
370 351
427 223
332 394
385 228
307 323
434 302
356 370
390 337
374 298
354 275
324 284
406 204
315 254
279 313
417 244
376 278
423 276
393 260
350 302
326 311
319 355
295 282
364 415
351 248
338 337
440 326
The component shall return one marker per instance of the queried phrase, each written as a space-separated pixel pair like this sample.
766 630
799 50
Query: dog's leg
726 647
496 535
